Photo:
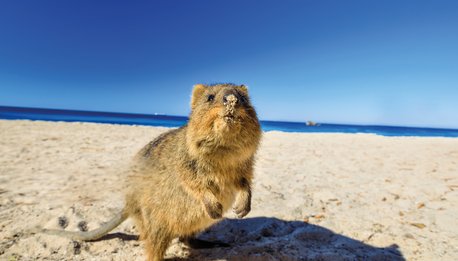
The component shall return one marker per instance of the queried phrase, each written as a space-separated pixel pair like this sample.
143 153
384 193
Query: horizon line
187 117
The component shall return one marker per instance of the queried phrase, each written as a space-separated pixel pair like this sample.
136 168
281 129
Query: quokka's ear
197 92
244 89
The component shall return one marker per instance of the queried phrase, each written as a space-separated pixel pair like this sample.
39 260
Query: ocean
19 113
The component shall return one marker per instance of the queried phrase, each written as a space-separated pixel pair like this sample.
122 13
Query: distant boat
312 123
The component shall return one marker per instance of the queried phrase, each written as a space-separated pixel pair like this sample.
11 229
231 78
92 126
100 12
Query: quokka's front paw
214 210
242 209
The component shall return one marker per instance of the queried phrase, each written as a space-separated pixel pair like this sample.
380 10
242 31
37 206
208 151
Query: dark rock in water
312 123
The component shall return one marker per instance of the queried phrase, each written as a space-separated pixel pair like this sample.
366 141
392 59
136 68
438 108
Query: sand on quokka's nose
315 196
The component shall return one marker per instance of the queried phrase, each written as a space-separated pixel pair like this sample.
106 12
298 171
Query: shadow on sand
263 238
266 239
122 236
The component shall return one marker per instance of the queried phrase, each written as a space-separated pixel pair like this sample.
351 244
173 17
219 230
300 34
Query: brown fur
186 179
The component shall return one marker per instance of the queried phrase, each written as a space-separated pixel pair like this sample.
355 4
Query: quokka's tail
89 235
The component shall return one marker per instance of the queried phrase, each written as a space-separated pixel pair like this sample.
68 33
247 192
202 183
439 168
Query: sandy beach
315 196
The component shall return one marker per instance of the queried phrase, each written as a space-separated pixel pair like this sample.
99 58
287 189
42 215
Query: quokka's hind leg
156 239
140 226
156 242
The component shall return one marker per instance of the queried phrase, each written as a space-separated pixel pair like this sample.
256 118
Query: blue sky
360 62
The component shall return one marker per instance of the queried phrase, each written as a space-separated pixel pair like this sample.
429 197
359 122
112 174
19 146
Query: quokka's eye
210 97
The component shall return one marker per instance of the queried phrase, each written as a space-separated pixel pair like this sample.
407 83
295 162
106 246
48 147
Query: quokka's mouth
229 118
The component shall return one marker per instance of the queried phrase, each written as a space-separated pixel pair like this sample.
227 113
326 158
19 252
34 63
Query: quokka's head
222 115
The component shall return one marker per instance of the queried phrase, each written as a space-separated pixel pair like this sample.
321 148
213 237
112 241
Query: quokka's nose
230 99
